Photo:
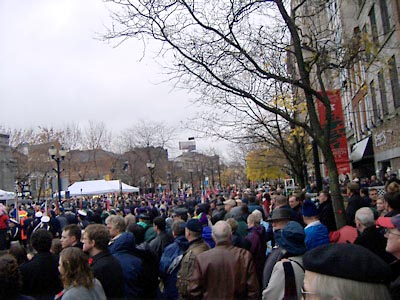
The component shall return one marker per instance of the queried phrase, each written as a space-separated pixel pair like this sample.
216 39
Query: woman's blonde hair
76 268
329 287
393 187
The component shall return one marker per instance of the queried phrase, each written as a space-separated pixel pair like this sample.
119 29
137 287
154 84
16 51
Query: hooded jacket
290 242
123 250
258 240
316 234
207 236
168 272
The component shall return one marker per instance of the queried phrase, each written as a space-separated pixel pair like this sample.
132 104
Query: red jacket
4 221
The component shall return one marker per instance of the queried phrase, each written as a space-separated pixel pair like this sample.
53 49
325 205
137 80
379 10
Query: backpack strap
174 264
297 263
290 282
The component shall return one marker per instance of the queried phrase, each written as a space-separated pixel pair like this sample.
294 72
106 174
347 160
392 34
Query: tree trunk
336 195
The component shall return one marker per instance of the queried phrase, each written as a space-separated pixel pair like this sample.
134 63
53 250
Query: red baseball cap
389 222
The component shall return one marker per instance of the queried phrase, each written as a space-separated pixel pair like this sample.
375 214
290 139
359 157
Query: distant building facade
371 86
364 35
7 165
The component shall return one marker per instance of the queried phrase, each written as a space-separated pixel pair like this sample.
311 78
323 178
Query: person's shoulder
317 227
78 292
242 251
24 297
97 284
199 244
104 258
171 248
295 261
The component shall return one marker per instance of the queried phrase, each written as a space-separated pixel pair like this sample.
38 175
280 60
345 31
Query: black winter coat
158 244
40 277
354 203
107 269
373 240
326 215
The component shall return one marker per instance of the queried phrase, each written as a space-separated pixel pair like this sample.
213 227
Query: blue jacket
178 247
207 236
123 250
317 234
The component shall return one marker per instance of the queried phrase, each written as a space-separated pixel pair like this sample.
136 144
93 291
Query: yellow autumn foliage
263 164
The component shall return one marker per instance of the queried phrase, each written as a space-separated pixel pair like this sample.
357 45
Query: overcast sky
54 71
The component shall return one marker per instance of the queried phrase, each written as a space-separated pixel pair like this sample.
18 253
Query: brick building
371 87
362 39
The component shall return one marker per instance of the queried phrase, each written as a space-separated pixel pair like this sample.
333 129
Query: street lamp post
169 178
151 166
191 178
58 156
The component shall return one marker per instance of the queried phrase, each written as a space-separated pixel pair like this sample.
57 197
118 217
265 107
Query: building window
374 29
361 111
367 47
368 112
372 111
384 16
356 122
382 92
394 81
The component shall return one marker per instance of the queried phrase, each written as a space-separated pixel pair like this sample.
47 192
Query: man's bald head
221 232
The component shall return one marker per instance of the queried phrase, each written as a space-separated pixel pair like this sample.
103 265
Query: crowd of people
250 244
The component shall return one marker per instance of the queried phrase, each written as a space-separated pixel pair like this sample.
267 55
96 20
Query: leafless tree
147 134
235 52
146 141
255 127
96 136
71 136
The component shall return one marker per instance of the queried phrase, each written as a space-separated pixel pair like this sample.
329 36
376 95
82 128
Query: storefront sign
380 139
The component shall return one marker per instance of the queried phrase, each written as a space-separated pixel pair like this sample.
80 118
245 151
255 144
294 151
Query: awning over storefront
361 150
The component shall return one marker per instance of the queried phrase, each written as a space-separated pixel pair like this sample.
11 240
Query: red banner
338 133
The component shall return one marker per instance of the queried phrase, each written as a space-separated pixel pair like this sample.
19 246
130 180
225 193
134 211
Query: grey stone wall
6 165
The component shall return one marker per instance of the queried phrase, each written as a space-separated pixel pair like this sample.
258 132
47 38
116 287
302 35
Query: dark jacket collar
195 241
101 255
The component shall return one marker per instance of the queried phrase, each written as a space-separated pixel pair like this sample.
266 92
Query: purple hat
203 219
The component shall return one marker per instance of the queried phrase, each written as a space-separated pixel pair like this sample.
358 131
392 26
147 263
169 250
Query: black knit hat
347 261
309 209
194 225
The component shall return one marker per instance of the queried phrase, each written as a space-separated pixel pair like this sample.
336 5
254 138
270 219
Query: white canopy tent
126 188
95 187
4 195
